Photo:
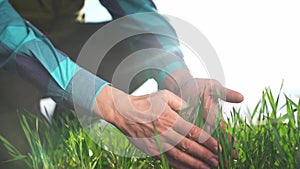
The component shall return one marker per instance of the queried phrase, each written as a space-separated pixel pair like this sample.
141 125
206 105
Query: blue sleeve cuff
81 91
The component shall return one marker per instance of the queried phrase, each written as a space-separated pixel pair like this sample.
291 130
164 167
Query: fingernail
214 162
216 150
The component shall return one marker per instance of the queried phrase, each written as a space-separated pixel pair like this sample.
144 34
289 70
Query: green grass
66 145
268 139
265 140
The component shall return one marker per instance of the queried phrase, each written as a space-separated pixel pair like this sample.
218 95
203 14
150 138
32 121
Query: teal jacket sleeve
164 38
25 51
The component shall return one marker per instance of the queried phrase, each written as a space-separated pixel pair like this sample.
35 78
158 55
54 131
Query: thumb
175 102
231 96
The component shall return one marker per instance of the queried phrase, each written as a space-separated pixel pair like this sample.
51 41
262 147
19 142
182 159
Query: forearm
28 53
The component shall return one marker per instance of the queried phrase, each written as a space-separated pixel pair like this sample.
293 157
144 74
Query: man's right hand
184 144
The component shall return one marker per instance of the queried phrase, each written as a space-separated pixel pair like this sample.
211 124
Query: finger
198 151
191 147
219 91
179 159
175 102
231 95
195 133
207 128
187 114
172 162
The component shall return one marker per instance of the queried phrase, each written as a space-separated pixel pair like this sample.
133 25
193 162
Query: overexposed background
258 41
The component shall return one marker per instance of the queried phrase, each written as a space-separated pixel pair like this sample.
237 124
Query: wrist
104 105
175 80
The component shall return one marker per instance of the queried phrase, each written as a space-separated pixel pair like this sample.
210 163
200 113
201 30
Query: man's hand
184 144
211 91
188 88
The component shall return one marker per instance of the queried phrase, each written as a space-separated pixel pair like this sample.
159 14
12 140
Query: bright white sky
257 41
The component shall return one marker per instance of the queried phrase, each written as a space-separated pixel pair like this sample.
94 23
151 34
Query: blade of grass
165 163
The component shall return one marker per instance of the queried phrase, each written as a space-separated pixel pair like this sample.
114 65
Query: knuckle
193 133
186 145
173 154
176 156
203 137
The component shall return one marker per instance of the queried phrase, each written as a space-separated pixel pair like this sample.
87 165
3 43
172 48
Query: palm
210 92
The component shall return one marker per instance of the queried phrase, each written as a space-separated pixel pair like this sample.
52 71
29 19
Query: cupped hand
184 144
211 91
